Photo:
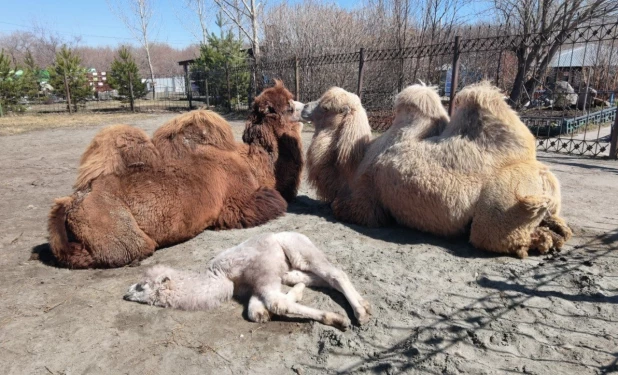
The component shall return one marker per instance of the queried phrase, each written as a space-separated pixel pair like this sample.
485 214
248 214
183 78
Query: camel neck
200 291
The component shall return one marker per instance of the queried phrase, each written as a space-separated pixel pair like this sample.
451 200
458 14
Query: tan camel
476 172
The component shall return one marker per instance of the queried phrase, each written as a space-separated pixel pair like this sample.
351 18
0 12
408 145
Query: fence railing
567 96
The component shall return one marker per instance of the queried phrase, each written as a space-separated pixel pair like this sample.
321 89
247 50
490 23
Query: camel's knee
278 305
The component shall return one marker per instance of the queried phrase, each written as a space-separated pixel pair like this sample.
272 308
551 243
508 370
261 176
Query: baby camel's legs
258 312
279 303
312 268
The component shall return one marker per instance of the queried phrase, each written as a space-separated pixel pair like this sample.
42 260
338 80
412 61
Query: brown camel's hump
191 132
116 149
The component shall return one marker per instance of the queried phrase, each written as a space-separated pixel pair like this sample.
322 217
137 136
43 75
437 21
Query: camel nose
307 112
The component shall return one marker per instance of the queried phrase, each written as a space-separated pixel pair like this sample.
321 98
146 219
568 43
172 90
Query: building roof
582 56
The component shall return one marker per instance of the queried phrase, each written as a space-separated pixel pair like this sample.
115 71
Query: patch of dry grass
10 125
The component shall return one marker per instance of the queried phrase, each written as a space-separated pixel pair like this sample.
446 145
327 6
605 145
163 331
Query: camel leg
107 228
253 209
279 304
309 279
258 312
360 206
557 225
304 256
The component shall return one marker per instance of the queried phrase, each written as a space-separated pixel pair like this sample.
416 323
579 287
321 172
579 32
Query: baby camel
258 266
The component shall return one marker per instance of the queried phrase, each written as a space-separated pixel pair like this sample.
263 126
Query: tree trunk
254 29
68 93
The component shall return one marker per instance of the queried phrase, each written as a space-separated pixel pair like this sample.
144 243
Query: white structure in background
169 86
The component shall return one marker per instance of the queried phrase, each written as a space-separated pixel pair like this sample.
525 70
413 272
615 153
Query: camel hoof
260 316
337 321
363 315
522 252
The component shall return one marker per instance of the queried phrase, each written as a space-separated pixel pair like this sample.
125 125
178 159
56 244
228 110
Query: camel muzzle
307 113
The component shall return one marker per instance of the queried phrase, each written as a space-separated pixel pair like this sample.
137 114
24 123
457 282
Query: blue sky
94 21
98 26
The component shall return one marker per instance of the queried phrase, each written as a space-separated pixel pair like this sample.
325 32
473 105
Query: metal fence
570 108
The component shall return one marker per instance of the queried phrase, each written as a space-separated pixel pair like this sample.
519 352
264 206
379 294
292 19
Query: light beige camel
258 266
477 172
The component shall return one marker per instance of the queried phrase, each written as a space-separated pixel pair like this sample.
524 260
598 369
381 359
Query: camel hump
193 132
116 149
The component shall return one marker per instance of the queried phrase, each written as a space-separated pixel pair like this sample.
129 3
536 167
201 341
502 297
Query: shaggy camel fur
476 172
258 266
134 195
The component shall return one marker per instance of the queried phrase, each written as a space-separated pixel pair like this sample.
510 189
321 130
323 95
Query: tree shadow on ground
576 162
509 321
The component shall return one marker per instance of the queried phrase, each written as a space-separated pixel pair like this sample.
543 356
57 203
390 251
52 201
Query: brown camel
134 195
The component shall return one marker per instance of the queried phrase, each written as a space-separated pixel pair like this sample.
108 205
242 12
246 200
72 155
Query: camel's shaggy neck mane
336 151
278 150
193 291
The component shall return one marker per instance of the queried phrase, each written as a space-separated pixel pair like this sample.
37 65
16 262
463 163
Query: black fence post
207 94
498 71
131 97
613 146
454 76
227 80
297 77
188 86
361 71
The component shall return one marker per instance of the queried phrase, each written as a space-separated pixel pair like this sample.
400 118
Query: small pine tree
68 76
12 87
219 54
124 76
31 76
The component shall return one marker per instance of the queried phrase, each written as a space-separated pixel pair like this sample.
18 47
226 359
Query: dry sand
440 306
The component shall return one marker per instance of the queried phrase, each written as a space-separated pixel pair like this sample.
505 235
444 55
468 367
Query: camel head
419 101
276 102
152 289
332 109
275 114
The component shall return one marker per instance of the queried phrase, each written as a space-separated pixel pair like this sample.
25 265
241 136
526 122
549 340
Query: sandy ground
440 306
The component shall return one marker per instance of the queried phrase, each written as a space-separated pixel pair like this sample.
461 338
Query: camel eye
139 288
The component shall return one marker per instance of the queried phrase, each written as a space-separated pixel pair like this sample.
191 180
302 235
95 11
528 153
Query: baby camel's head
154 288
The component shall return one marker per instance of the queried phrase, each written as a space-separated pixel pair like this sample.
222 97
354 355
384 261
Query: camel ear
346 109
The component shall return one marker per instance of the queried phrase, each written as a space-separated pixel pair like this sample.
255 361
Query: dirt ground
440 306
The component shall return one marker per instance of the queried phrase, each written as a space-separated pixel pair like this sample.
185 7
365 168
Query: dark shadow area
504 286
43 254
573 162
457 245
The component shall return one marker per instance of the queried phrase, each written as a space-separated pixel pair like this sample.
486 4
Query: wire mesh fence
564 83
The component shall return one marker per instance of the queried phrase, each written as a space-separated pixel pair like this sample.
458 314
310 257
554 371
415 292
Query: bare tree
195 9
544 25
245 15
137 16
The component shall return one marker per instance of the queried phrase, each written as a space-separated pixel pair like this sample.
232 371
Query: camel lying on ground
258 266
477 171
134 194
